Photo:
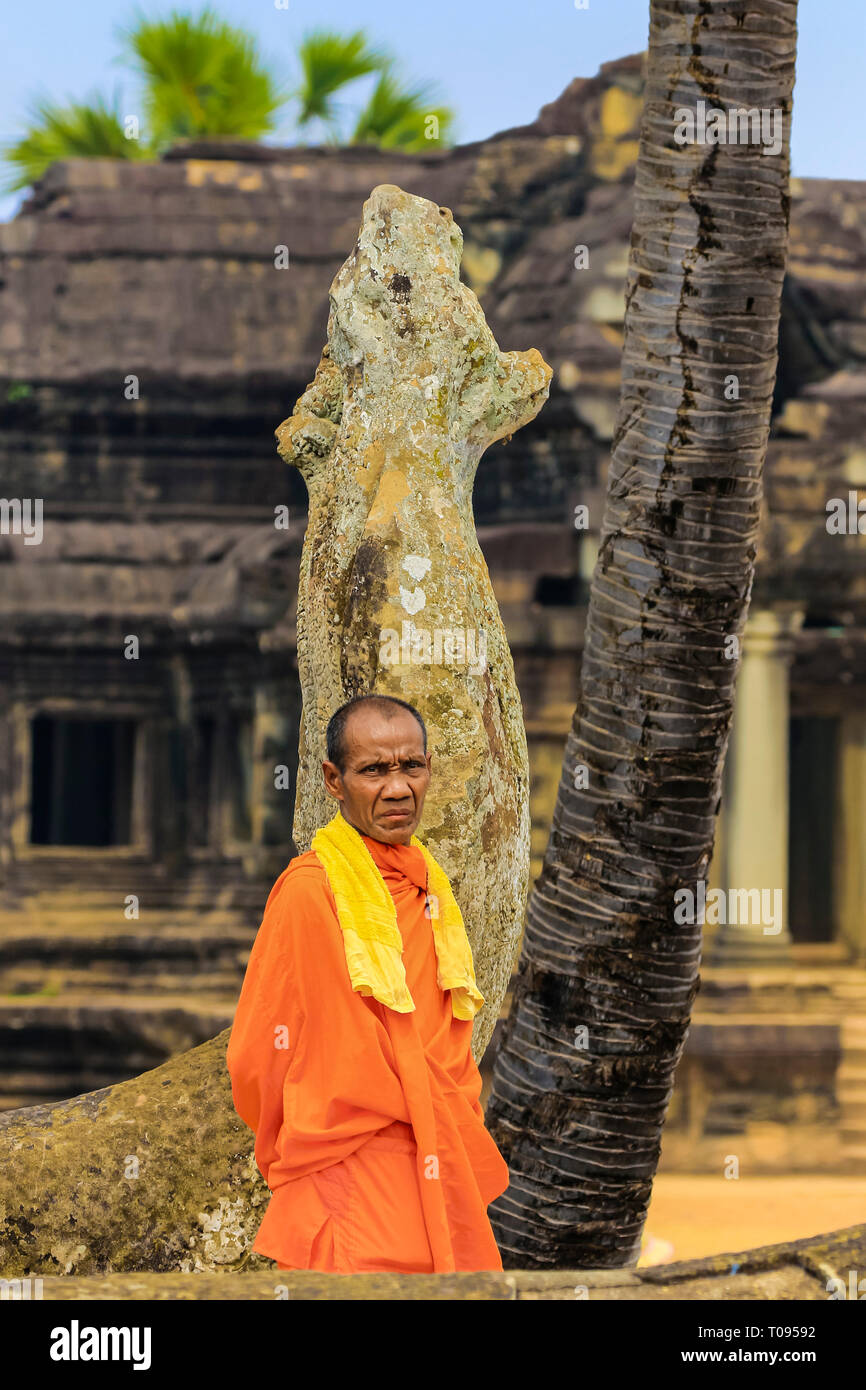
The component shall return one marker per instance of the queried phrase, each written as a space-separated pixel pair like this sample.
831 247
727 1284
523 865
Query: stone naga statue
410 391
395 596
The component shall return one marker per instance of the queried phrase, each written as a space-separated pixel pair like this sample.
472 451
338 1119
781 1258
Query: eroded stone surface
792 1270
157 1173
394 595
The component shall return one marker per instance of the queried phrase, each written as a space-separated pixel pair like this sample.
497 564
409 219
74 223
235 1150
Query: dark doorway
81 784
203 781
811 828
221 789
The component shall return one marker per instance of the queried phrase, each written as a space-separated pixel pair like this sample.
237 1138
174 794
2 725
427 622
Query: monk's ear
333 777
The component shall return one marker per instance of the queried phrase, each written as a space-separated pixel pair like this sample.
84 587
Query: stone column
850 867
275 737
756 850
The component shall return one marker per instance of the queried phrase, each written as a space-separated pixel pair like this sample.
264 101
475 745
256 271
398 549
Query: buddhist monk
350 1053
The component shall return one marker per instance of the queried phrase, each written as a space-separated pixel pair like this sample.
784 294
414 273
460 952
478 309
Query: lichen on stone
410 390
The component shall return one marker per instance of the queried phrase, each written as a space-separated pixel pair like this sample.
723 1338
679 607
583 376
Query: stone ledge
791 1270
786 1282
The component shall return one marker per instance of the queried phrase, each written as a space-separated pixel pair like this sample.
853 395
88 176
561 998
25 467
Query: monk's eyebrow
373 763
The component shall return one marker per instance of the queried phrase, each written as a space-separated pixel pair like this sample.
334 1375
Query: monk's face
386 772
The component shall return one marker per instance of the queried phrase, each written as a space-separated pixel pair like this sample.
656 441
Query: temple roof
165 272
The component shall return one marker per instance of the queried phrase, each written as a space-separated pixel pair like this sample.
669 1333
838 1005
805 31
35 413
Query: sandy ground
707 1215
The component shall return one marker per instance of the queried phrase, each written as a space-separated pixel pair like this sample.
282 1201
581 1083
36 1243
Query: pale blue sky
496 61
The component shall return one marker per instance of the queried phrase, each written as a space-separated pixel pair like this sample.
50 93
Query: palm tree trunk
607 978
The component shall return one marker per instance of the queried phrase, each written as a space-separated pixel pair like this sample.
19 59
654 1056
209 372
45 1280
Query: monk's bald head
385 705
378 766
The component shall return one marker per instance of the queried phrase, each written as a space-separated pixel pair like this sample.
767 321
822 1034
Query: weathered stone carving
395 596
157 1173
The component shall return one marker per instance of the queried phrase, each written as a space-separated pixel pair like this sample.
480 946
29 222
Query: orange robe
369 1130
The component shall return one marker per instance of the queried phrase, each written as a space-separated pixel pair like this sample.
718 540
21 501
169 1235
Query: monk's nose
397 787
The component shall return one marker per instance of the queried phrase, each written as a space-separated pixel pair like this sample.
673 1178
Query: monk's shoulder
302 862
303 883
306 869
301 920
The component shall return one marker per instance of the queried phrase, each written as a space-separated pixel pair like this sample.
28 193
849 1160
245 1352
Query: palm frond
202 77
328 61
396 117
90 128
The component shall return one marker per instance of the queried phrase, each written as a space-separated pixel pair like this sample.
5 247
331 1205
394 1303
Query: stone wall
160 521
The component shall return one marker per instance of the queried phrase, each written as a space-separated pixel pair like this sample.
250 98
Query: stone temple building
157 322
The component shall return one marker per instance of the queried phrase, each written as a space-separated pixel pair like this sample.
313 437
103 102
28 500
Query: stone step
53 1088
75 905
179 961
54 1048
27 1021
128 939
39 1086
112 940
172 892
24 1099
851 1085
80 1001
69 1039
161 954
113 919
150 924
204 977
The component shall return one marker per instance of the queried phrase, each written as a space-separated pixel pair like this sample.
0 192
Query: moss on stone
156 1173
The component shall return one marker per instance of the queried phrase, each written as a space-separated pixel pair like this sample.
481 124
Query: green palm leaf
202 77
328 61
79 129
397 118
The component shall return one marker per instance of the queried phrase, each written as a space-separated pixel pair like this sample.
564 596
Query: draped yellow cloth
368 921
368 1125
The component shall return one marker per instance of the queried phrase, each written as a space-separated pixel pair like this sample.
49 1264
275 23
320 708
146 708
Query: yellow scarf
368 920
